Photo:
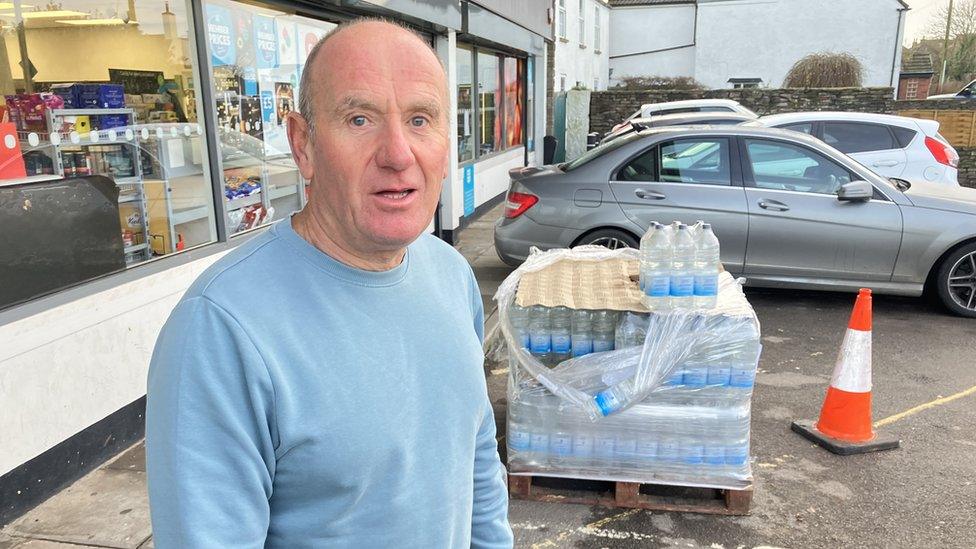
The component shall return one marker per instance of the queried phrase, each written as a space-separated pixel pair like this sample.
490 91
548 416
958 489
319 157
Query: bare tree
962 39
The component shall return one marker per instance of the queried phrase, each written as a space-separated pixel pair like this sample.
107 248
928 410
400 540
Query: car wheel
956 281
610 238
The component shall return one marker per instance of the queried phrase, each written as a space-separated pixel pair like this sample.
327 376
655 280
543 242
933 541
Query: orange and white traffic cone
844 426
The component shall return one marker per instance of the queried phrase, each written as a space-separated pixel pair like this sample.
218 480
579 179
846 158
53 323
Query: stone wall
967 167
608 108
936 104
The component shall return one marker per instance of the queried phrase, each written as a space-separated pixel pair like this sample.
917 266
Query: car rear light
943 154
517 203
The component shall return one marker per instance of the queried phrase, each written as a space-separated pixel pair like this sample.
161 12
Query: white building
582 44
734 43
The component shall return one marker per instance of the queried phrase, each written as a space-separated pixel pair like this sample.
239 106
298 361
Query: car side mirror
855 190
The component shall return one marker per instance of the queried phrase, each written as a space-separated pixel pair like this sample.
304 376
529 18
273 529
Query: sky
919 17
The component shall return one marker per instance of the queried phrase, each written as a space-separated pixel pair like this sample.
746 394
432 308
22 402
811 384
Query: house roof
919 63
628 3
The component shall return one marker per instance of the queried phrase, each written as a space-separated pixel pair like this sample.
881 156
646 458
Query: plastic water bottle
540 335
642 255
657 284
519 318
742 373
518 435
696 229
561 322
582 332
604 326
682 270
631 330
707 260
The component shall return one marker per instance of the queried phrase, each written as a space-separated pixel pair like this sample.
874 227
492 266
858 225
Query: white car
968 92
892 146
648 110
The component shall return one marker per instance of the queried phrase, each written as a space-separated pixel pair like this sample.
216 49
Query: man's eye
359 121
418 121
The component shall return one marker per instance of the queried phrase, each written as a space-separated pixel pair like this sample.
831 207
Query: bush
825 70
658 83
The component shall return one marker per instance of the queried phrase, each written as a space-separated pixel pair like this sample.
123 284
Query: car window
787 167
701 161
599 150
716 109
802 127
904 136
855 137
676 110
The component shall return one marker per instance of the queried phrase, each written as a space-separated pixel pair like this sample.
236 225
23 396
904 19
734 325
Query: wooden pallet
634 495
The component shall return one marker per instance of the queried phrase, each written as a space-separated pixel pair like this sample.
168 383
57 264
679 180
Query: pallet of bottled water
658 394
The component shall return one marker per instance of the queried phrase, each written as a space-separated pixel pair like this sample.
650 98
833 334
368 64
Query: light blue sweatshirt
295 401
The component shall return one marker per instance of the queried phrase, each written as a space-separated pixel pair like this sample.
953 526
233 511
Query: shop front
142 140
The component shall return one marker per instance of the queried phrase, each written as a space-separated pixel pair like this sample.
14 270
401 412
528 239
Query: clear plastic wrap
673 410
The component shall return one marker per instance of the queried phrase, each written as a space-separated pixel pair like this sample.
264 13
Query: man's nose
395 152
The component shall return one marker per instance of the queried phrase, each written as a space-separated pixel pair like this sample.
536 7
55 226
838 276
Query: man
321 386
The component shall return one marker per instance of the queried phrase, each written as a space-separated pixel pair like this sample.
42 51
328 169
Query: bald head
364 33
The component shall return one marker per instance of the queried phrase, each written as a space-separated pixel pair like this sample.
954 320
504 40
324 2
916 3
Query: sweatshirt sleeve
209 432
489 513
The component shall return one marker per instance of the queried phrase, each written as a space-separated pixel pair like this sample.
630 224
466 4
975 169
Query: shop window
103 164
514 107
465 103
489 97
258 55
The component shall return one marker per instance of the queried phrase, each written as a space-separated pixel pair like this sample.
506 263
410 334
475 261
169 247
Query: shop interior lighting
92 22
53 14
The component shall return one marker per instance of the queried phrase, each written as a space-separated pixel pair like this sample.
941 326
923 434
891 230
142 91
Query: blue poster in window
250 81
268 108
220 32
468 190
265 42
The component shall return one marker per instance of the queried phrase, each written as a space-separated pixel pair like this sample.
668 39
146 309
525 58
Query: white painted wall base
64 369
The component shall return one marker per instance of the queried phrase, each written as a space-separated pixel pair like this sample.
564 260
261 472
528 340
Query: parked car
648 110
790 211
893 146
967 92
684 119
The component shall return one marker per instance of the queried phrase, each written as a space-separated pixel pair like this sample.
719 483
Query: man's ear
301 144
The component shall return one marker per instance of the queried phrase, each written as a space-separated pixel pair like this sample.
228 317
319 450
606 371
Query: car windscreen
598 151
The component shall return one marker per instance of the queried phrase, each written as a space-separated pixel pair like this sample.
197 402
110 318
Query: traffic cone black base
808 430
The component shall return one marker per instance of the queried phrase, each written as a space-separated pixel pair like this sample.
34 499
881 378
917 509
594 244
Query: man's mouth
394 194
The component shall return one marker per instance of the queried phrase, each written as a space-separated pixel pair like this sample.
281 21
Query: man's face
381 142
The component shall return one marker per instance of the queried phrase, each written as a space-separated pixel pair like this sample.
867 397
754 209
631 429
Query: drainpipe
898 40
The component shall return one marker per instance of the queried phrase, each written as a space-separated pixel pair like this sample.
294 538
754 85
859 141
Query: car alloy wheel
610 242
962 282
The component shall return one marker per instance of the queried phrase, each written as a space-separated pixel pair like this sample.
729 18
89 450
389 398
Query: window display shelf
29 179
243 202
86 112
187 215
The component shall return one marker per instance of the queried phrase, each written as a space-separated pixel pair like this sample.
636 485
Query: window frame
597 30
891 134
735 170
561 20
475 123
582 23
749 177
500 106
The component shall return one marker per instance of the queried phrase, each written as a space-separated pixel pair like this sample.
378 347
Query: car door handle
649 195
774 205
886 163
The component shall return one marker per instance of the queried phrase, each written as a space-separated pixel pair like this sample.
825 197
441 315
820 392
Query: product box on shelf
91 96
601 388
27 110
109 121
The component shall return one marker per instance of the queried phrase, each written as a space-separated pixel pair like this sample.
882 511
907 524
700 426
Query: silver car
790 211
